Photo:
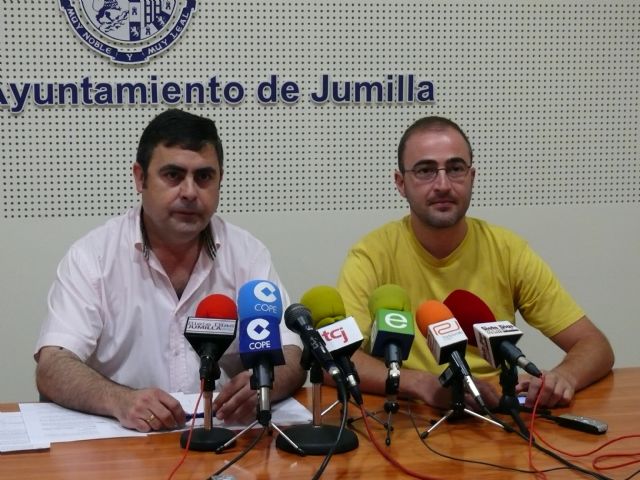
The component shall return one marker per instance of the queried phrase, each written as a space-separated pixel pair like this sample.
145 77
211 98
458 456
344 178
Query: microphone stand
207 438
509 401
262 382
316 438
391 405
453 377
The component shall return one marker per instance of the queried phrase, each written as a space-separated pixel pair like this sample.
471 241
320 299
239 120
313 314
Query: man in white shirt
112 343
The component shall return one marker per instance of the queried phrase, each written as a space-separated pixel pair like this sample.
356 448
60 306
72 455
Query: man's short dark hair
177 128
426 124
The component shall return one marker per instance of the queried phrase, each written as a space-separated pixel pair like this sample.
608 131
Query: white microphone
496 341
446 341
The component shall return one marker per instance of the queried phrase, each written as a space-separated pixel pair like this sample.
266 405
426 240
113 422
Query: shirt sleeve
74 319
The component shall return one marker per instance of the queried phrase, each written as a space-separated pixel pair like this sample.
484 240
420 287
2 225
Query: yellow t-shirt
492 263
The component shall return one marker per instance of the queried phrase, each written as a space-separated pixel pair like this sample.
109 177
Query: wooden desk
613 400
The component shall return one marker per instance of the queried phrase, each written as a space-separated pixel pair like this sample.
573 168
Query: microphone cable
343 395
246 450
634 457
384 452
466 460
193 422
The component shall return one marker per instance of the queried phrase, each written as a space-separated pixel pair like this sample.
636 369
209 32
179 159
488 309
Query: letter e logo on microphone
395 320
257 329
265 292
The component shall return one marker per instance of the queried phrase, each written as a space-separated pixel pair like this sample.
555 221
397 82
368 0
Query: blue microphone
259 342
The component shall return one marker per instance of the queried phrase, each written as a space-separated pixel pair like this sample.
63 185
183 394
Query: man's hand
148 410
66 380
236 402
558 389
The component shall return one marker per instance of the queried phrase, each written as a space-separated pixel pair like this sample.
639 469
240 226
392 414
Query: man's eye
204 177
426 171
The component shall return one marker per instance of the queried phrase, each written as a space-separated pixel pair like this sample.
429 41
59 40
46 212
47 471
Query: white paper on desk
14 436
284 413
48 422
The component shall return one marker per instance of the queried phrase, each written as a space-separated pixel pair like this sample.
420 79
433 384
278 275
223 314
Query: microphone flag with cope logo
259 315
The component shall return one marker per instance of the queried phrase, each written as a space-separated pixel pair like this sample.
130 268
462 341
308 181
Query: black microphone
297 317
210 332
341 333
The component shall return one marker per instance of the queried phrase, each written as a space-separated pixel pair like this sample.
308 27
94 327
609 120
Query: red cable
193 422
385 454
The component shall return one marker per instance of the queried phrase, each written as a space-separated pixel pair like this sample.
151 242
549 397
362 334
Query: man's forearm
589 356
589 360
288 377
64 379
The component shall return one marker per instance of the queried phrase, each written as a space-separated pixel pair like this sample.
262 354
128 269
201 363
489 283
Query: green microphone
325 304
393 326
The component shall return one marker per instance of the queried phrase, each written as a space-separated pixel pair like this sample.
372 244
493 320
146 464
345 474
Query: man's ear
399 180
138 177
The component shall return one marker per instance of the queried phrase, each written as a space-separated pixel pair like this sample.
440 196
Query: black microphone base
317 439
204 440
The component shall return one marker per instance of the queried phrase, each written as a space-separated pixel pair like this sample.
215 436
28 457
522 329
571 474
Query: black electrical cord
343 396
240 455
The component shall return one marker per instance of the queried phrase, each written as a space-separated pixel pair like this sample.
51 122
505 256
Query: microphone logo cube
445 337
395 326
341 333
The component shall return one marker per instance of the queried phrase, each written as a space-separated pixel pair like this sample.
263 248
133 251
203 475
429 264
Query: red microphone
217 306
469 309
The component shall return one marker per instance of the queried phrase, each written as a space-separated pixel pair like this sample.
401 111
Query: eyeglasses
427 172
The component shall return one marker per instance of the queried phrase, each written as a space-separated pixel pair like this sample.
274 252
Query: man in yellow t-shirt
436 251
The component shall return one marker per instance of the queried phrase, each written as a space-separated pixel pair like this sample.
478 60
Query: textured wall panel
547 91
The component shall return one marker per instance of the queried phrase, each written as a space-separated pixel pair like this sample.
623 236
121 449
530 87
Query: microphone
339 332
392 333
496 341
471 311
297 317
447 342
260 345
210 332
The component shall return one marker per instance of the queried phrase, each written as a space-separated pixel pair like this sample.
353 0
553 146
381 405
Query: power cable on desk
385 454
632 475
464 460
344 397
246 450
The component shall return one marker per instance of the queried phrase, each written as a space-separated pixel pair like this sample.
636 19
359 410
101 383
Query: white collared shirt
120 314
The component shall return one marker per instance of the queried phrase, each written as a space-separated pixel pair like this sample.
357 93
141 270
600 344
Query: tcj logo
128 31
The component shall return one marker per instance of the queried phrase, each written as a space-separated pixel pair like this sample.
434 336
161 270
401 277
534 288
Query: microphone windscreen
389 297
430 312
217 305
469 309
325 304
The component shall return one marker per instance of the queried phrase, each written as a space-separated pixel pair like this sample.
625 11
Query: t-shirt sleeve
540 297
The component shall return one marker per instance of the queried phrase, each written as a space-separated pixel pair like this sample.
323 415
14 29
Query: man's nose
442 181
188 188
